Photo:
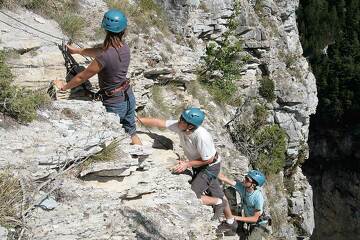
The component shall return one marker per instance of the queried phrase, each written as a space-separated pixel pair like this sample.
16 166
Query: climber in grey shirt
200 151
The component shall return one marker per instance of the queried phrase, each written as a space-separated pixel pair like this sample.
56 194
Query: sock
219 201
230 220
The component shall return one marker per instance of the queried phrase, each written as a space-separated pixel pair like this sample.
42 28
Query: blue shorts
126 111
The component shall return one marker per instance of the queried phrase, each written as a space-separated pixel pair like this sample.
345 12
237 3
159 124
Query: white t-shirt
198 144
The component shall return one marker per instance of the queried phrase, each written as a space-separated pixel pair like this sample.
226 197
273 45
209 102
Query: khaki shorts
206 180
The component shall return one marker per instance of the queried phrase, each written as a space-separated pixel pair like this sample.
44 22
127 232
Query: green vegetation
221 67
264 144
145 13
17 102
330 33
260 115
258 6
10 198
267 88
272 142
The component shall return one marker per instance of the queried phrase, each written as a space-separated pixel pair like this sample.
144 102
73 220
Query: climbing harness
209 174
120 89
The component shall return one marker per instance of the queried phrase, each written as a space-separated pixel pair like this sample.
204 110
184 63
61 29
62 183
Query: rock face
270 36
125 198
137 192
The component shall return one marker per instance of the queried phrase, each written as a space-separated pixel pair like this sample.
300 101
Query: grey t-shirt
197 145
115 65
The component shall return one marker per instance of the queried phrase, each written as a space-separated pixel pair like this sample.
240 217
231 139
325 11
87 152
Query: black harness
73 68
205 169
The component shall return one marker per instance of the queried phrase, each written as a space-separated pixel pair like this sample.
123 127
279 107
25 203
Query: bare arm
89 52
183 165
199 162
226 180
81 77
252 219
152 122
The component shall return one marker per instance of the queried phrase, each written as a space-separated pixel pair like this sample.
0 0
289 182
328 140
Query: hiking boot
225 227
218 211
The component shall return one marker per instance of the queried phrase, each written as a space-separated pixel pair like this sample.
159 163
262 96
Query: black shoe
225 227
218 211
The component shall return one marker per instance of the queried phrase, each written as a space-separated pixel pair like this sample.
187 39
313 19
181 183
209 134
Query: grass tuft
72 25
108 153
10 199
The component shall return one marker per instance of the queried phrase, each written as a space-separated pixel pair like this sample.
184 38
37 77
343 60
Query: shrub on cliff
222 64
267 88
19 103
264 144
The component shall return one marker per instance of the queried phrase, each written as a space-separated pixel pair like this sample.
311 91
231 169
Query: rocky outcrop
137 192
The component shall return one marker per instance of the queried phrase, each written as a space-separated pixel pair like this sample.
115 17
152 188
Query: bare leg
135 140
207 200
227 210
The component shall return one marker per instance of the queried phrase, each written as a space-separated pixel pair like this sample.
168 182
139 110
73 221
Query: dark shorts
126 111
206 180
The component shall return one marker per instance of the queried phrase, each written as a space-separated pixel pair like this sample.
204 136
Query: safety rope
27 32
38 30
27 25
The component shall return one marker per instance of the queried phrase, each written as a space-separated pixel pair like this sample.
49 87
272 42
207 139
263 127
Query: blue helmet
193 116
114 21
257 176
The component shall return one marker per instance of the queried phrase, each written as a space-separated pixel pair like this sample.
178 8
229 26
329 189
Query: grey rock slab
48 203
154 73
3 233
55 140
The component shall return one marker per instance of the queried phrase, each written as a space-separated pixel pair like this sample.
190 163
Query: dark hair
192 125
252 180
113 39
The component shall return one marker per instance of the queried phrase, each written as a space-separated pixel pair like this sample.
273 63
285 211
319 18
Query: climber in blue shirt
252 201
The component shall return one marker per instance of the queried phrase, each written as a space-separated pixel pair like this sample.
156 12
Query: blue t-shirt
251 200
